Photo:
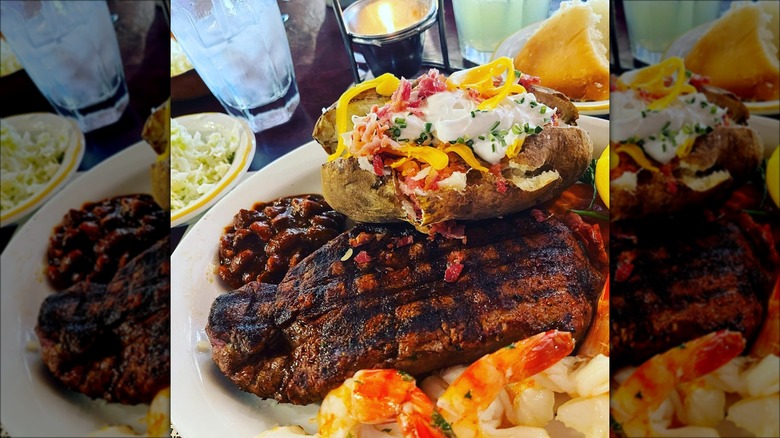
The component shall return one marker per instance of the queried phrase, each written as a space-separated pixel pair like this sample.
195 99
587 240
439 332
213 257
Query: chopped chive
542 110
428 127
703 104
533 104
522 100
473 114
400 120
713 110
481 137
495 125
538 129
493 146
516 129
470 143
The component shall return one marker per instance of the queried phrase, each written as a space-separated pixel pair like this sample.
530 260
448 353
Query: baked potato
687 153
550 159
157 132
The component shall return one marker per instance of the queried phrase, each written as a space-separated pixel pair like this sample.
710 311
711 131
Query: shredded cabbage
8 62
28 162
197 165
179 61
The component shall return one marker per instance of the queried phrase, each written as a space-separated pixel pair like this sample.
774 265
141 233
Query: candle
390 32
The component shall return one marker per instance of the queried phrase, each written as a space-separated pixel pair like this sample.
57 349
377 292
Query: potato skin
366 197
737 149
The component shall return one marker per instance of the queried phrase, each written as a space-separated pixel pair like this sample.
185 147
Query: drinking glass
654 25
240 50
483 24
69 49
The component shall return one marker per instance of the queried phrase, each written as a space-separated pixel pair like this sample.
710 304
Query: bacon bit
449 230
501 186
671 184
429 84
454 266
625 266
588 234
360 239
527 80
474 95
379 165
362 257
404 241
698 81
539 215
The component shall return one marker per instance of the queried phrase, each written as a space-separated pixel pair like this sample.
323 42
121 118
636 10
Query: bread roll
568 53
738 54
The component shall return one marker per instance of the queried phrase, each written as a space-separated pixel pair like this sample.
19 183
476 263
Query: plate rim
13 255
74 155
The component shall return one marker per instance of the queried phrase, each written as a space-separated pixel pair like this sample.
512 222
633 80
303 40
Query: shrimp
597 340
637 399
376 397
768 341
480 384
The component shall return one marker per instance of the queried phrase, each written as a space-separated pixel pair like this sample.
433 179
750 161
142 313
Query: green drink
653 25
483 24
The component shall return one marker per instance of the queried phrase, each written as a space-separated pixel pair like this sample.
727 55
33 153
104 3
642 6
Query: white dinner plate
684 43
206 403
34 404
513 43
35 124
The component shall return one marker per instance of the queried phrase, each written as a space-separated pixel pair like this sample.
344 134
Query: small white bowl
36 123
207 123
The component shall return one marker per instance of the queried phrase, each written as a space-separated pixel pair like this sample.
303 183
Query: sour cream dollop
662 133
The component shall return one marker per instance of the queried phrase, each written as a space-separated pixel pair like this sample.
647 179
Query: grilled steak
682 278
387 296
112 341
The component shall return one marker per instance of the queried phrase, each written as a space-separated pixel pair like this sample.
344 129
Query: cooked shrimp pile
703 388
517 391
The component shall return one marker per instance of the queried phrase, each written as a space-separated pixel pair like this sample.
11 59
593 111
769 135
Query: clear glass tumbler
69 50
240 50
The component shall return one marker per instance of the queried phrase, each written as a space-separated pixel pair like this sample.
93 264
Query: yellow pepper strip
614 159
651 79
686 148
638 155
481 79
514 148
398 163
385 85
467 154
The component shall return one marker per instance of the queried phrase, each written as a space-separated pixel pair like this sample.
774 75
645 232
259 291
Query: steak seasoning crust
677 279
389 297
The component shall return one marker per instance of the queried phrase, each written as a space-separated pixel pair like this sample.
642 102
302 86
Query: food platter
36 123
208 404
34 404
683 44
513 43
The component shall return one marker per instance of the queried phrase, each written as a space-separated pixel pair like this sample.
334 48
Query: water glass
240 50
483 24
654 25
69 49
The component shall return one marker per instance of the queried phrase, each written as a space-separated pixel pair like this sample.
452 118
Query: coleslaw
198 163
29 162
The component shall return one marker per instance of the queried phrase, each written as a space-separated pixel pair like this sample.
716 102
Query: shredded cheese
653 80
514 148
686 147
638 155
480 79
385 85
437 158
467 154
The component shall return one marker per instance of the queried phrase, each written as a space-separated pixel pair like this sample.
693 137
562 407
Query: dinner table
142 30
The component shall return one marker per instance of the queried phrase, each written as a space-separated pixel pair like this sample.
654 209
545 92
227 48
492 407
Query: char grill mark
111 341
688 278
329 318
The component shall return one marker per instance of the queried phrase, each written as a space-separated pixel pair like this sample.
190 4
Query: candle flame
386 15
